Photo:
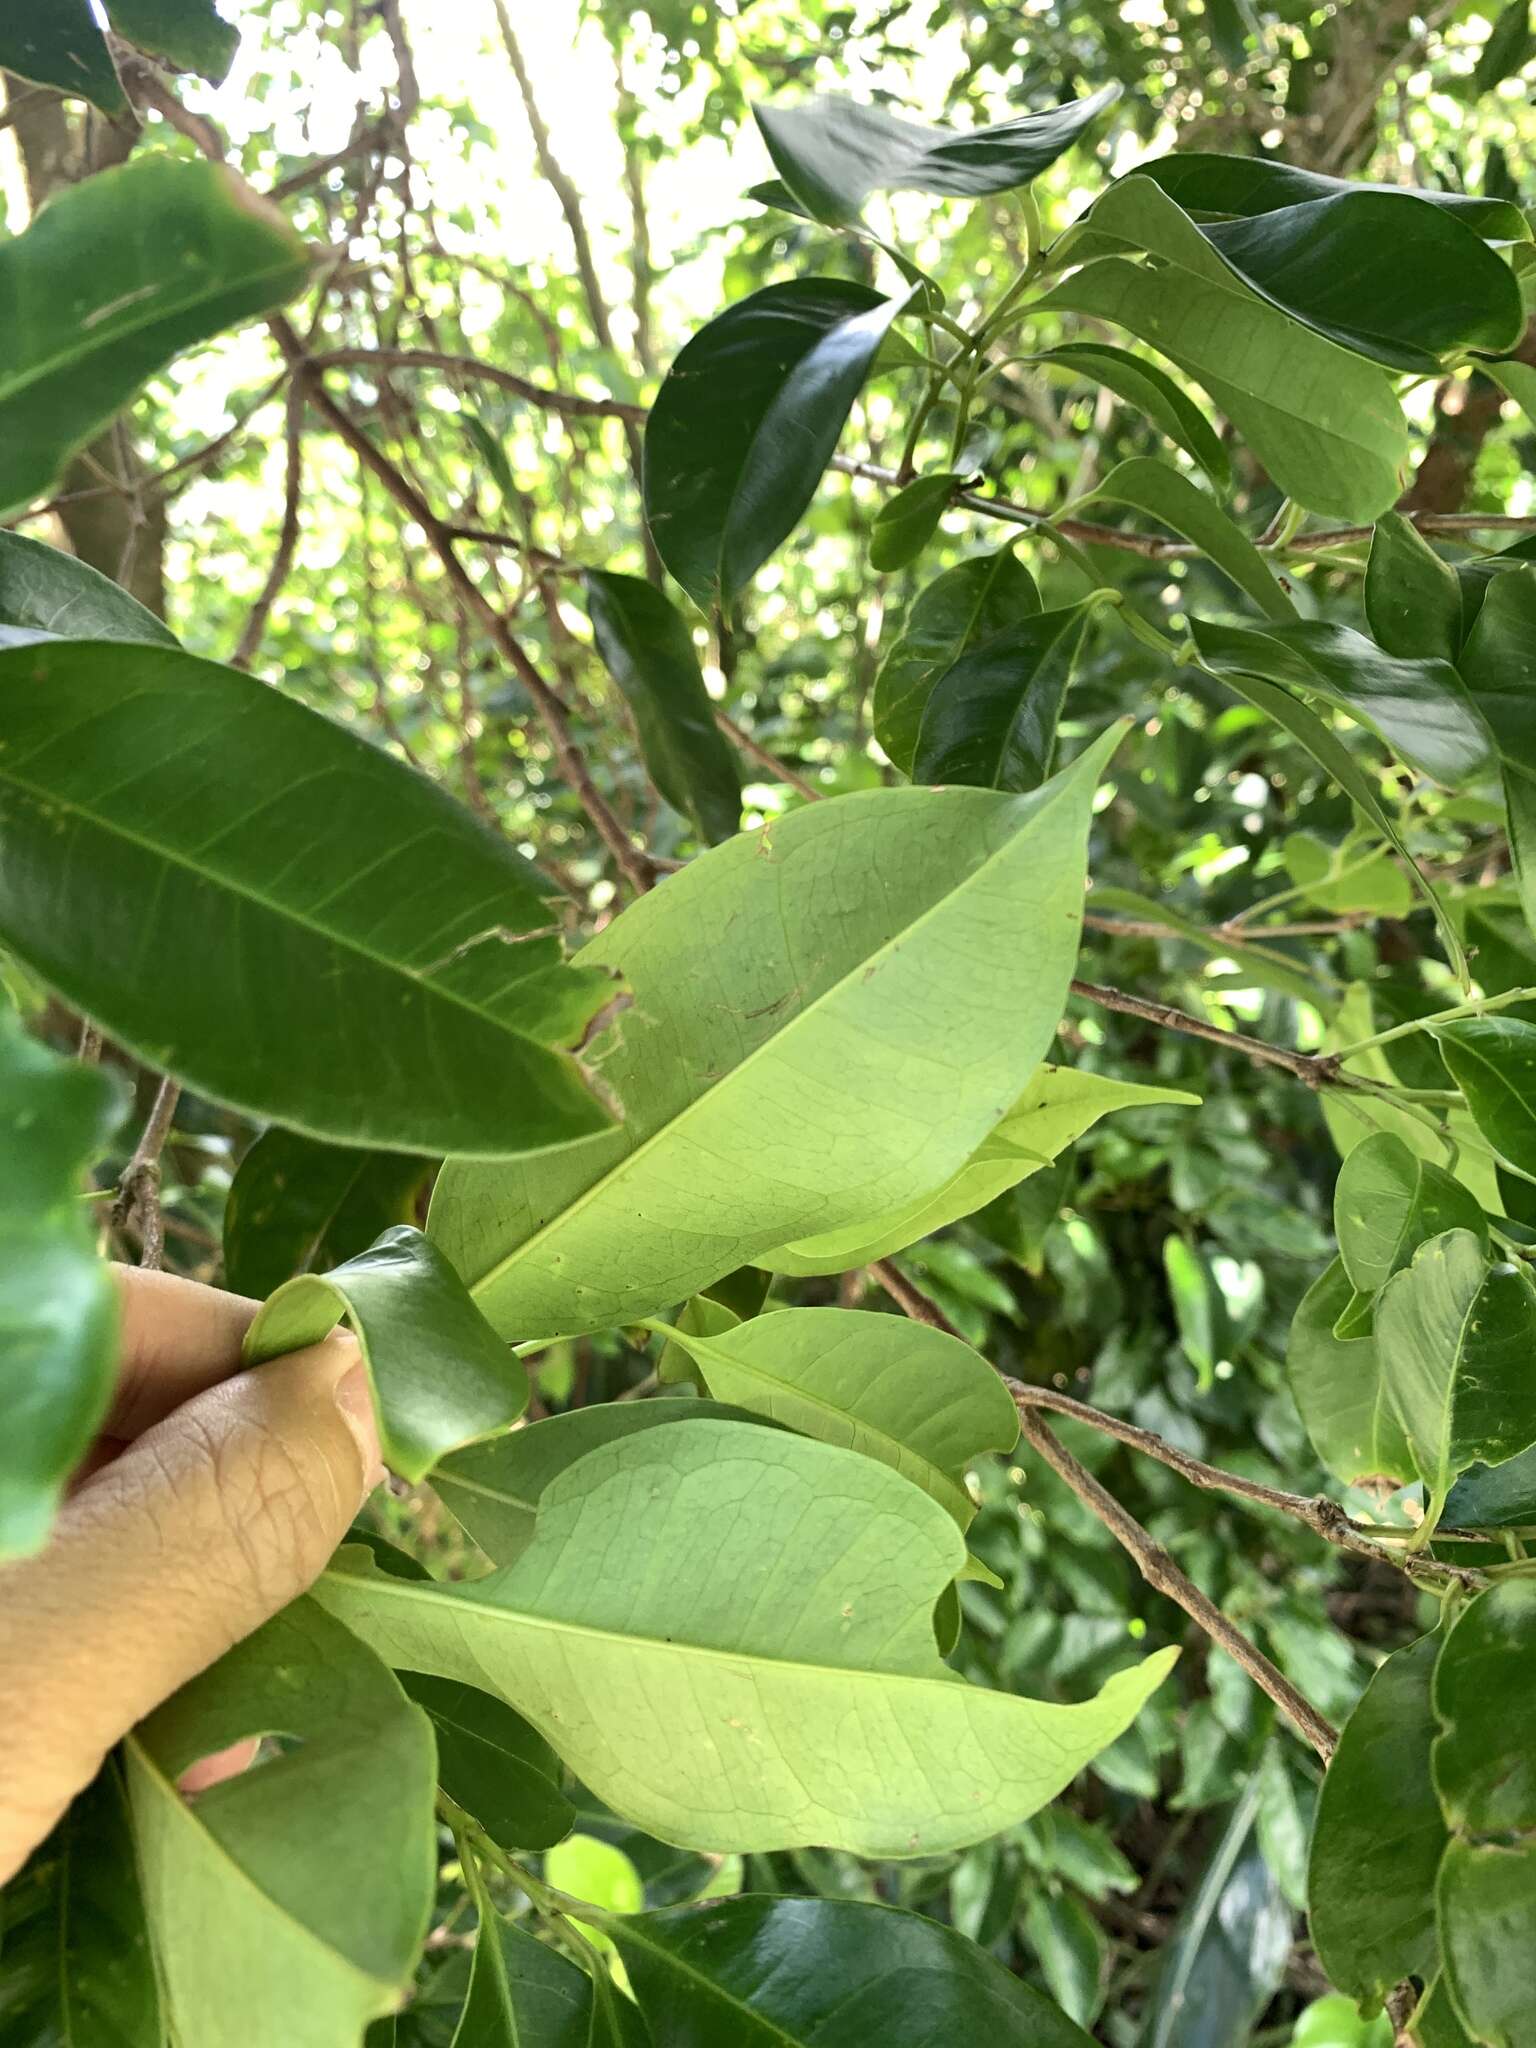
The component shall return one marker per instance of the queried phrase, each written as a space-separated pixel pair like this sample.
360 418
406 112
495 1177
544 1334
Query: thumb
203 1528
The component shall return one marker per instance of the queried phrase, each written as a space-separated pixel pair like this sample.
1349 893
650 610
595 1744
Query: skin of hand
212 1499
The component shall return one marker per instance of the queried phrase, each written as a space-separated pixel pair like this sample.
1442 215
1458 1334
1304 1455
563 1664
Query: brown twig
1317 1070
759 753
909 1299
569 404
288 535
138 1192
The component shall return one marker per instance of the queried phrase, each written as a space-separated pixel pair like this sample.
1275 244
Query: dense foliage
855 869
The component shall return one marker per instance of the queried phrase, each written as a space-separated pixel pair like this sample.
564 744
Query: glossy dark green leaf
1487 1895
953 616
111 280
833 152
522 1994
1420 708
190 34
1070 1948
489 1761
746 421
1496 664
648 649
1493 1062
990 721
75 1964
906 523
1205 183
1412 598
441 1376
1158 489
760 1972
1494 1496
296 1205
1153 393
1509 47
1339 1390
57 42
1388 1202
44 590
312 996
58 1309
1379 1835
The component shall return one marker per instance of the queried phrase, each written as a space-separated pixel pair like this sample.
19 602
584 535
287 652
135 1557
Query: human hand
212 1499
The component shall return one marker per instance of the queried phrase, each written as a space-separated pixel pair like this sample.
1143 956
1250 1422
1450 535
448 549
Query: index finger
177 1337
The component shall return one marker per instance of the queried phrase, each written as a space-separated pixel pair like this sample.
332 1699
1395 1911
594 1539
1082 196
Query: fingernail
354 1397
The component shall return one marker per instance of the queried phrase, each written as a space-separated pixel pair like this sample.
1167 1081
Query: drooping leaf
1339 1388
958 612
434 958
44 590
58 1309
1156 488
112 279
784 1074
1153 393
1412 598
763 1972
1054 1111
832 152
441 1376
523 1994
1379 1835
190 34
1493 1062
785 1671
648 650
296 1205
1205 183
990 721
1388 1202
58 43
906 523
299 1890
1456 1337
490 1762
746 421
917 1399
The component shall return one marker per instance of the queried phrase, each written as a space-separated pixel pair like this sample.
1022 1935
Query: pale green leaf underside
784 1674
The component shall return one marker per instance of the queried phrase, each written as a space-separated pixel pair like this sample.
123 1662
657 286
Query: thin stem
909 1299
1475 1006
1317 1070
138 1192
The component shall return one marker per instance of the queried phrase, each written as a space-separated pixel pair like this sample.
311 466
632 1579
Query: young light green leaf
832 152
491 1763
58 43
296 1205
523 1994
1054 1111
1199 1307
1155 488
43 590
786 1671
111 280
1205 183
956 613
905 524
58 1309
1389 1201
441 1376
1379 1835
715 1973
1412 598
301 1889
1348 877
190 34
746 421
783 1074
917 1399
990 721
648 650
1339 1388
701 1315
436 957
1493 1062
1153 393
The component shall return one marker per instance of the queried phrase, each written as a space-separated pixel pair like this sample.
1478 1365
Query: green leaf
1339 1388
990 721
490 1762
494 1489
1152 392
189 34
1340 879
785 1671
1412 598
1379 1835
1388 1202
43 590
441 1376
959 611
1325 425
1054 1111
114 278
1199 1308
57 42
1154 487
783 1073
295 1204
905 524
1070 1948
1493 1062
648 649
366 924
299 1890
1509 47
1419 707
1455 1337
1487 1897
917 1399
58 1308
523 1995
760 1972
1496 663
832 152
1248 185
746 421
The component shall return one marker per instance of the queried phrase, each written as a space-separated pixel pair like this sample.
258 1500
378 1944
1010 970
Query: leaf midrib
771 2028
